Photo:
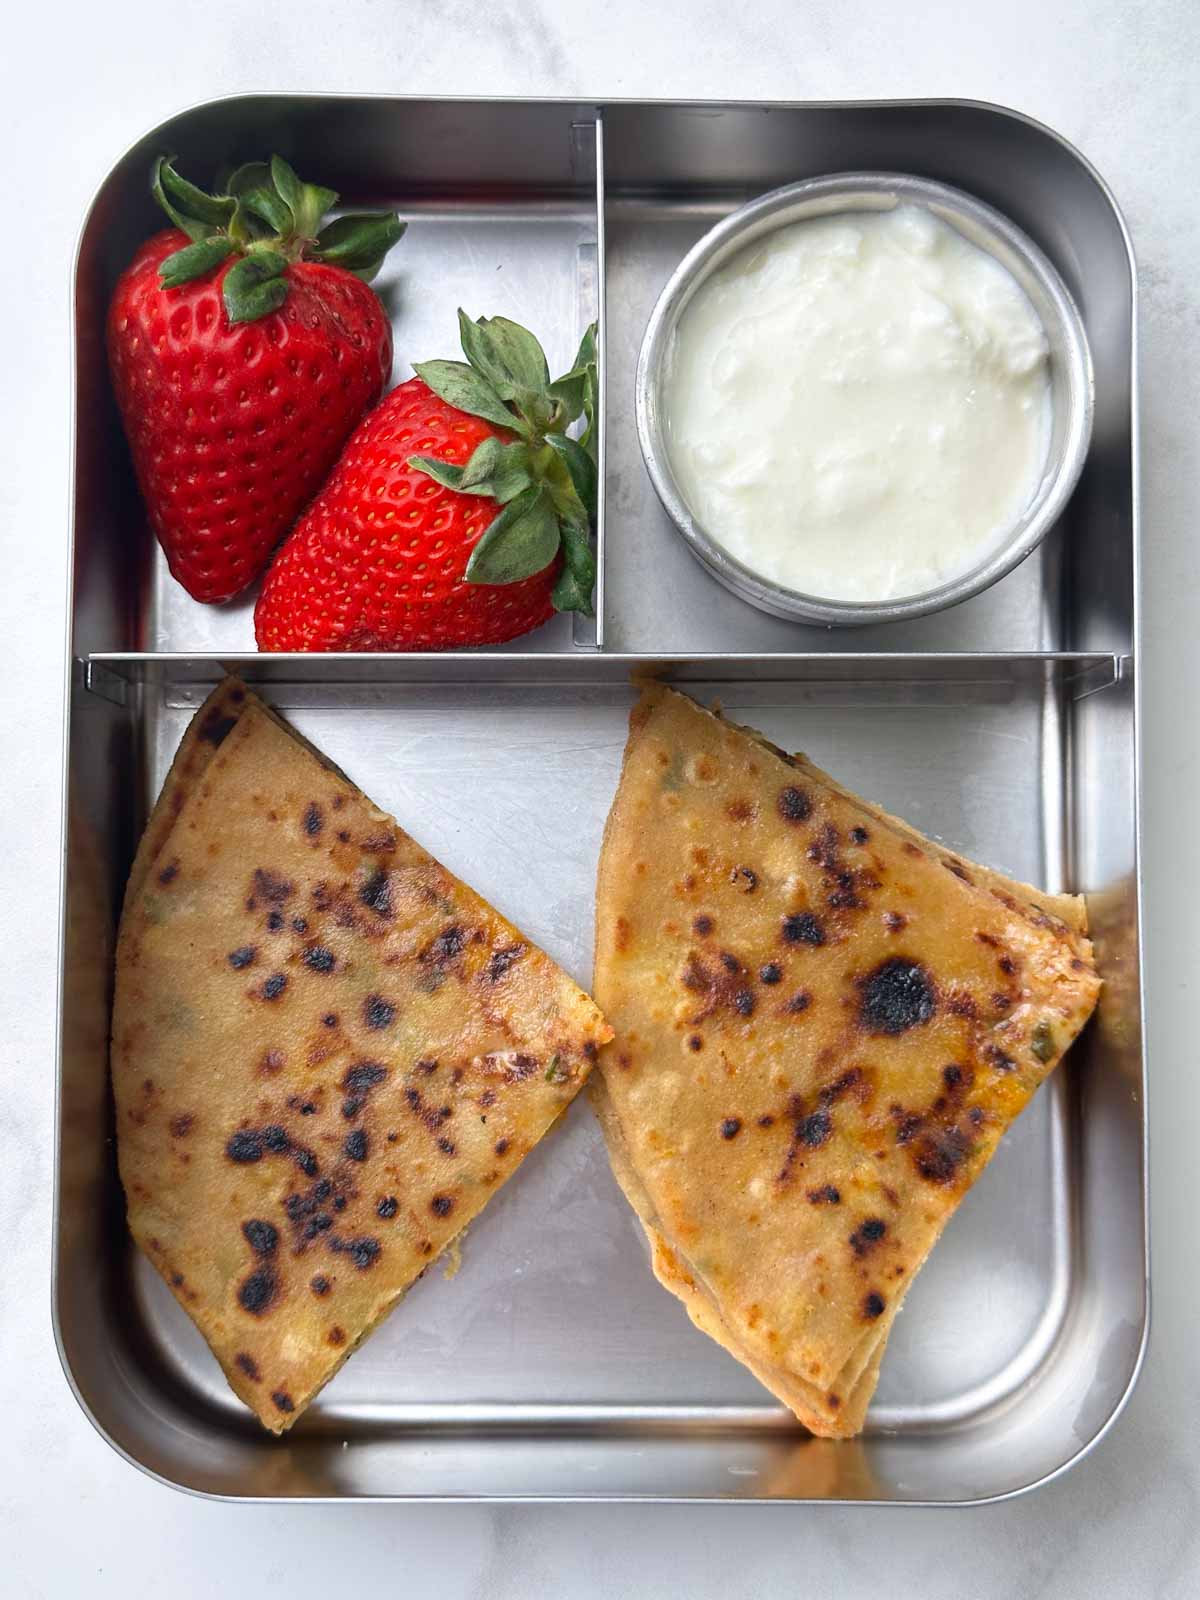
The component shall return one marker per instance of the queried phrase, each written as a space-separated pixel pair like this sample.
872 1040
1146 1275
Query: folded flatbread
824 1025
328 1053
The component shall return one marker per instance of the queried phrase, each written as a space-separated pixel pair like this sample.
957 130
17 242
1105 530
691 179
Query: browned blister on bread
328 1053
824 1025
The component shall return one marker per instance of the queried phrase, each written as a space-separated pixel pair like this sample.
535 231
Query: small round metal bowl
1070 381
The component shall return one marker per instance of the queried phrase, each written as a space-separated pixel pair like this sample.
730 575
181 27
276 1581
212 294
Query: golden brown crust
328 1053
825 1023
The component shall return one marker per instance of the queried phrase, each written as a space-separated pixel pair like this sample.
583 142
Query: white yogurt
858 406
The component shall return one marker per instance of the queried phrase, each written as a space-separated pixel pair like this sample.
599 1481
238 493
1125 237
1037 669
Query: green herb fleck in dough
1042 1042
672 778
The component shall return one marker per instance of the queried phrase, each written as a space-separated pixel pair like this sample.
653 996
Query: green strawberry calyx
263 214
543 479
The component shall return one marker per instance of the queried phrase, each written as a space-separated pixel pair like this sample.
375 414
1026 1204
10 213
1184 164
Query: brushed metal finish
553 1367
1071 383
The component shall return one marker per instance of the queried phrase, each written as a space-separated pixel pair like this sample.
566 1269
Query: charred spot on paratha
245 1146
357 1145
271 887
731 1127
319 958
378 1013
939 1154
387 1207
896 996
794 805
258 1292
874 1305
274 986
447 946
441 1205
215 729
247 1364
243 956
376 893
283 1400
363 1252
501 960
867 1235
312 821
803 928
363 1076
261 1236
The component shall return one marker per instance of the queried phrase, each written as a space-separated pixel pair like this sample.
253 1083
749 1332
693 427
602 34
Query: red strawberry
457 515
244 347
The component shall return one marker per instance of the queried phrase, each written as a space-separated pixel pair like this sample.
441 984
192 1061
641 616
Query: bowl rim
863 191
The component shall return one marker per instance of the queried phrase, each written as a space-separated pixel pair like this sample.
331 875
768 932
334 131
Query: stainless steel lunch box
553 1367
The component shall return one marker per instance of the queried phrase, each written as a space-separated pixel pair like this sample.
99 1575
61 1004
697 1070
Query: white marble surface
1120 79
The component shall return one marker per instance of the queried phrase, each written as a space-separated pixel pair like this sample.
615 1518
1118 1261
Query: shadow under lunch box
553 1367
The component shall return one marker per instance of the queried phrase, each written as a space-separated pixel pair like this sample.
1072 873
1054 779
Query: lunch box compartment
501 201
553 1365
672 171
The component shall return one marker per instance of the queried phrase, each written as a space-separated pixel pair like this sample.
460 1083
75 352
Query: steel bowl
1070 379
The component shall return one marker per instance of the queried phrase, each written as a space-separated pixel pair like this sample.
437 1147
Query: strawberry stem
266 215
545 482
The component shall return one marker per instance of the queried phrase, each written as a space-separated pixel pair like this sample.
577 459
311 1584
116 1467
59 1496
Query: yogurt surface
858 406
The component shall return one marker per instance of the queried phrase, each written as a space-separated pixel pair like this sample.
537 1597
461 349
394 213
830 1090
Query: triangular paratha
824 1025
328 1053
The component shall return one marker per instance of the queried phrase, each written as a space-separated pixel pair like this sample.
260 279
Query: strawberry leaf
193 261
460 385
213 209
500 471
512 472
189 208
586 355
580 466
484 460
521 541
508 356
569 392
358 243
448 473
577 580
256 193
254 286
307 202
